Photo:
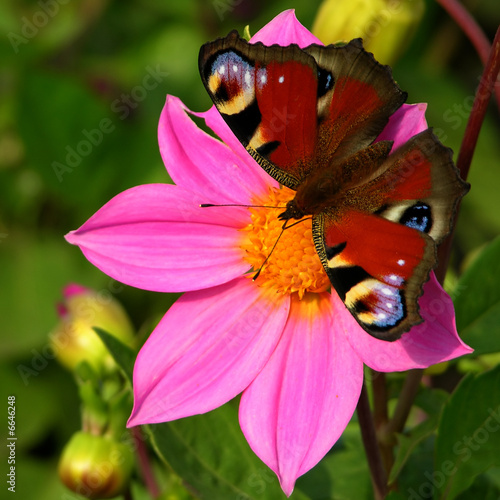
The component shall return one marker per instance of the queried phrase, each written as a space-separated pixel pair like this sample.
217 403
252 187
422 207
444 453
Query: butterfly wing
379 245
294 109
356 104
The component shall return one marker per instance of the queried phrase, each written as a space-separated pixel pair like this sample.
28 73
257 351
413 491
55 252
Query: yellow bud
95 466
74 339
386 26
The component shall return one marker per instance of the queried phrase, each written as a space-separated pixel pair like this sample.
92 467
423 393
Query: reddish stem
472 30
144 463
370 443
479 107
486 85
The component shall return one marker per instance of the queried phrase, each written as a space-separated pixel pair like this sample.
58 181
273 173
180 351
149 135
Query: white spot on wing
395 279
235 68
281 79
401 262
248 78
222 69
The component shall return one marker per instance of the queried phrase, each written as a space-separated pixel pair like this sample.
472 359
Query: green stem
381 417
368 434
405 402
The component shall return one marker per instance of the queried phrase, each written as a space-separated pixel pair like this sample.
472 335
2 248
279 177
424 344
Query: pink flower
284 341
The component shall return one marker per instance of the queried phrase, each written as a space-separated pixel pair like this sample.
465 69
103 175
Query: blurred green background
68 65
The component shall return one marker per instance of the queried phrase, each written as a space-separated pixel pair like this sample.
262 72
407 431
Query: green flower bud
96 466
386 26
74 339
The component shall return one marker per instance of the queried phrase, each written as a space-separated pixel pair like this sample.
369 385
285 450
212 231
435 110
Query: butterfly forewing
358 100
268 96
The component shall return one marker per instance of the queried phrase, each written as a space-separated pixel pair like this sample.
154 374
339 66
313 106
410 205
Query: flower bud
386 26
95 466
74 339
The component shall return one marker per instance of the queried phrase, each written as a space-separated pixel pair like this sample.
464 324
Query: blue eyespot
418 217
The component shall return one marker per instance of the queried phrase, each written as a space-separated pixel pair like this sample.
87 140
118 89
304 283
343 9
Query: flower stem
471 29
487 83
369 436
381 418
144 463
380 414
128 494
405 402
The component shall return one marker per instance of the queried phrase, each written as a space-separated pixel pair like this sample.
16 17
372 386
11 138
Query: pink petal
300 403
285 29
258 177
434 341
207 348
156 237
407 121
201 163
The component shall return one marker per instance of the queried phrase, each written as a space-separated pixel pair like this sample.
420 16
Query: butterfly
310 118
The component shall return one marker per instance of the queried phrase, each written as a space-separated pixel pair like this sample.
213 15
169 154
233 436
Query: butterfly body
310 117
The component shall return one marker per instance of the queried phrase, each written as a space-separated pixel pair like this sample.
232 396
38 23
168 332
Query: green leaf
477 302
431 401
485 487
408 443
468 439
122 354
211 455
396 495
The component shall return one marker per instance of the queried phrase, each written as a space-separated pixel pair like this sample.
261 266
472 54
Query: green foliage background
87 62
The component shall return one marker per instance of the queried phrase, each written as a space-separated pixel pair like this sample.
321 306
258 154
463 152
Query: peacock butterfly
377 215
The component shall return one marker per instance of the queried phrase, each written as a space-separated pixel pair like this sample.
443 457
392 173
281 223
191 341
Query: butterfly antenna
256 275
283 227
205 205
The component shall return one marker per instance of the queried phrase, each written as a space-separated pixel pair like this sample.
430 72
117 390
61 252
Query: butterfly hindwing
377 267
379 245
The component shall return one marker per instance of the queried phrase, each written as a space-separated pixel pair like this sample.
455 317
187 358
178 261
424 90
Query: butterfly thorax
330 186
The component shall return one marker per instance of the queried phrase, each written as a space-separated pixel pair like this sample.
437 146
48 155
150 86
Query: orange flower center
293 266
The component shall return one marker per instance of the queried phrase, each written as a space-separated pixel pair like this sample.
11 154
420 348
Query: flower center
293 265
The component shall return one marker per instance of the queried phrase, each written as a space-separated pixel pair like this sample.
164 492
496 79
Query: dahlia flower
285 341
